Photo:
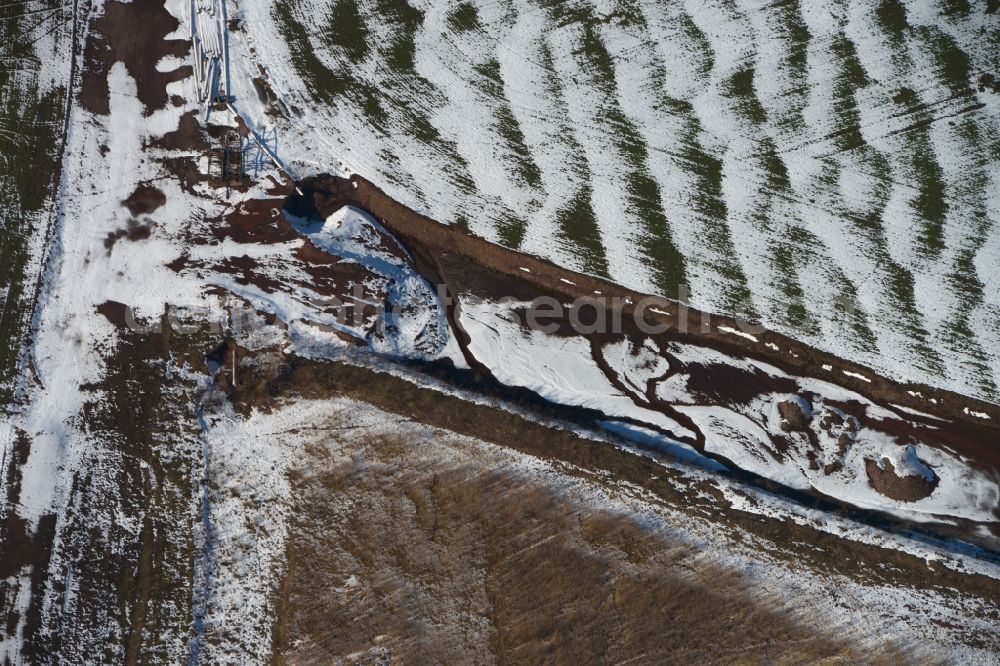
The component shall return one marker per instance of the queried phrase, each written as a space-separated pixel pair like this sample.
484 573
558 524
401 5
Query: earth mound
910 480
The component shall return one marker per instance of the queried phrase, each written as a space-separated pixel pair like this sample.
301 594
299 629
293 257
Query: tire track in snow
643 144
952 184
727 42
924 153
808 275
774 97
388 106
729 109
538 106
587 76
692 183
850 223
463 66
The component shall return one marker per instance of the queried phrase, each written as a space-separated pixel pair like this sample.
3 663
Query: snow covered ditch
826 449
560 369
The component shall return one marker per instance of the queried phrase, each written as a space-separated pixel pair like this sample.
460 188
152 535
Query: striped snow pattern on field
780 158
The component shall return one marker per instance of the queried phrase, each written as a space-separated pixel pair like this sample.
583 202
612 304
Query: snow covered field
780 159
32 103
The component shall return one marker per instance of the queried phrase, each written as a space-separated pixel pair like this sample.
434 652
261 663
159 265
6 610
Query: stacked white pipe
209 49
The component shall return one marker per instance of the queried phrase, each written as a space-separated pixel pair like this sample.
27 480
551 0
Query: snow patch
742 334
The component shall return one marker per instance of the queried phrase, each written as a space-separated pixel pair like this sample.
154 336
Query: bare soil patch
256 221
146 199
908 488
189 135
134 231
132 33
186 170
792 415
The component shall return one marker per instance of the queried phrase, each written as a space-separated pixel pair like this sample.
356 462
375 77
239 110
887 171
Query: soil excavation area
684 394
430 239
723 394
